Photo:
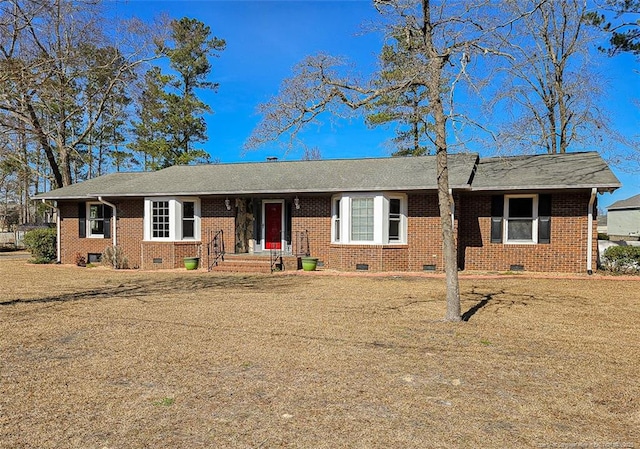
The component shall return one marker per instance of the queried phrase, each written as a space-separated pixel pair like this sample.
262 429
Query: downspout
58 243
114 219
594 192
453 209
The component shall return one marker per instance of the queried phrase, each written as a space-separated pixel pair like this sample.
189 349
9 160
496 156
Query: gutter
594 192
453 209
114 220
58 243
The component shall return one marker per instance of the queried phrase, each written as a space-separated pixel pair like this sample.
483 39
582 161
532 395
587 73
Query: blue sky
265 39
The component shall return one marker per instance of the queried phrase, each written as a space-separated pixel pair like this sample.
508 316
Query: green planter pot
191 263
309 263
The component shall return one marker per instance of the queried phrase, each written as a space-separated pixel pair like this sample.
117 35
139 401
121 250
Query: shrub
80 260
113 256
625 259
41 243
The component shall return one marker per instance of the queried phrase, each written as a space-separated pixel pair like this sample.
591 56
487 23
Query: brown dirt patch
95 358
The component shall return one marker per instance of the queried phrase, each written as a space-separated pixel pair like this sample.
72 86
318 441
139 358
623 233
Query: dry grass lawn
95 358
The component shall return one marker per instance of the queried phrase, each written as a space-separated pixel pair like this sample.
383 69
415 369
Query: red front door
273 225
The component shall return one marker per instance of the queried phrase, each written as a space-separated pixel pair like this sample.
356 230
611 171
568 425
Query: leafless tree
49 77
550 87
312 154
441 38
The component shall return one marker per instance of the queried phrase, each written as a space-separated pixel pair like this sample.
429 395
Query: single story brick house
534 213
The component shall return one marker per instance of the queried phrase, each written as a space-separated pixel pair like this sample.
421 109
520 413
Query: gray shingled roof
548 171
318 176
629 203
107 185
572 170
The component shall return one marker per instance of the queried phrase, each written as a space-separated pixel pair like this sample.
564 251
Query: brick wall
375 257
424 232
129 231
215 218
314 217
566 252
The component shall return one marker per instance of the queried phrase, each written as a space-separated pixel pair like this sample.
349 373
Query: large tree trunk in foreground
435 67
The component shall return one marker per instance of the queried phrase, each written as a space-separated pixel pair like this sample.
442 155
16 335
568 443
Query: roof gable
629 203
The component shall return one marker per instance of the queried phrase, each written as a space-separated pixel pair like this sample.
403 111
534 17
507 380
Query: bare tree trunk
244 226
44 143
436 64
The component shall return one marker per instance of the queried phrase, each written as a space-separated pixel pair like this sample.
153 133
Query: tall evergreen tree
408 109
150 131
623 28
171 115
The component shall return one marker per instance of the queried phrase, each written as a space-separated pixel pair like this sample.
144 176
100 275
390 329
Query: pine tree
171 115
408 109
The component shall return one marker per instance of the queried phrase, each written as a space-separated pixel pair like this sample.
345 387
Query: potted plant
191 263
309 263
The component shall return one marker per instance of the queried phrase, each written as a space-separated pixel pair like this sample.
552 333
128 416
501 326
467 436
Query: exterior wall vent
157 260
362 267
516 267
429 267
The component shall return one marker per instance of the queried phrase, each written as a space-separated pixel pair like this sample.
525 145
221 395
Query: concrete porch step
250 263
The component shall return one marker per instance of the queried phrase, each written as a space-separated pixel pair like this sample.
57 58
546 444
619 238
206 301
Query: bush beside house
41 243
622 259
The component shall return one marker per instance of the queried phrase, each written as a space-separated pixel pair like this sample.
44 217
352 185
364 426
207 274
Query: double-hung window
96 219
522 218
521 213
172 219
369 218
188 219
336 220
395 220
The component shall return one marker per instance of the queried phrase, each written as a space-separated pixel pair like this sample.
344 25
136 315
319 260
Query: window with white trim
188 219
362 218
369 218
172 219
521 218
395 220
336 220
96 219
160 219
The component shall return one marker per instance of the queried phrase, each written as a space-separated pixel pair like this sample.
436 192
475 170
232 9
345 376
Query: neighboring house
534 213
602 225
624 219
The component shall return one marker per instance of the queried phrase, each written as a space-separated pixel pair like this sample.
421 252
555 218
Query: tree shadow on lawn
466 316
502 298
140 288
